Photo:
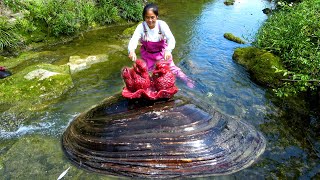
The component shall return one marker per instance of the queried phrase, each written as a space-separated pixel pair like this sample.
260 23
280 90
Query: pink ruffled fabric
140 85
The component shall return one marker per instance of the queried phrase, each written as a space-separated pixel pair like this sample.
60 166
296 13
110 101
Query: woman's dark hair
152 7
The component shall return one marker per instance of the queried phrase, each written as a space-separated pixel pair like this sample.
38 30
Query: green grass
9 38
43 19
293 34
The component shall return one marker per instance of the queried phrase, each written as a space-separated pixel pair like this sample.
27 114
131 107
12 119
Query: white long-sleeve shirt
153 35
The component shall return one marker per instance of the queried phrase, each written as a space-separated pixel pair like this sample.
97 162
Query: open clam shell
160 139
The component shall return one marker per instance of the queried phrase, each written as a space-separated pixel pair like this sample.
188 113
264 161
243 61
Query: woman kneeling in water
157 42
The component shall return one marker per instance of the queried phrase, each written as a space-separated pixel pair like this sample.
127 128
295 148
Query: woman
157 42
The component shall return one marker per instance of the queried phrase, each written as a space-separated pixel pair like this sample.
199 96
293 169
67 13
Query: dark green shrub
43 19
293 34
131 10
106 12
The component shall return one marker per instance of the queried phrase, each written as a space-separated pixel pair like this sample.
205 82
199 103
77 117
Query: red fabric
2 68
140 85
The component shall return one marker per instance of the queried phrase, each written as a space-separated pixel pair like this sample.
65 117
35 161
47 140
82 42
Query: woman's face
150 18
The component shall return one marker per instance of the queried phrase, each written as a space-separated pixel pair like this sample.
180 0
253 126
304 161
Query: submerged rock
31 89
40 74
130 30
160 139
37 156
77 64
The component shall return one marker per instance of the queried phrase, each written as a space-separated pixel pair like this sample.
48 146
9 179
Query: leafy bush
293 34
106 12
130 9
68 17
9 39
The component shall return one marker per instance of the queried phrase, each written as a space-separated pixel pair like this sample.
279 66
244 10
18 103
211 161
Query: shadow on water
202 52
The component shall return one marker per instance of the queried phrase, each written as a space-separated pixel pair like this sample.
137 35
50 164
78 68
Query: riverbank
292 33
34 148
38 78
26 25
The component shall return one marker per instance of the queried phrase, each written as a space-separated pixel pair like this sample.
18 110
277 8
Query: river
33 151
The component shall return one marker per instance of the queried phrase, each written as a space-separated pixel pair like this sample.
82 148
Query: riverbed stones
32 88
130 30
40 74
160 139
37 156
77 63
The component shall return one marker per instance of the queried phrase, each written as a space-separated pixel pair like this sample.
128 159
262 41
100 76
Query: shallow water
293 144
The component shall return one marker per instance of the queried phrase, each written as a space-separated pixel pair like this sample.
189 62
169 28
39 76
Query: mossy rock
1 59
39 157
32 89
233 38
263 65
13 62
129 31
229 2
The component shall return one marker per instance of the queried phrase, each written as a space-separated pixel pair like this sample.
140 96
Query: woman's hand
167 55
132 56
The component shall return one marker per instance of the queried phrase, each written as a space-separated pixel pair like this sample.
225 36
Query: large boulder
264 67
31 89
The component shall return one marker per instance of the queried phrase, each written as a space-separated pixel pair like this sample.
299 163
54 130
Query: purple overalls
151 52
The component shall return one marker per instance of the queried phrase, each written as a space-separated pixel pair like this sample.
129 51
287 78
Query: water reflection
202 52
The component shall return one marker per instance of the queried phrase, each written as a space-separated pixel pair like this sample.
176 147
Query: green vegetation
31 89
130 30
8 34
41 157
261 64
18 88
233 38
292 33
42 19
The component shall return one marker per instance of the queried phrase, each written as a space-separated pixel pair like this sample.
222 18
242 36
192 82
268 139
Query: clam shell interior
160 139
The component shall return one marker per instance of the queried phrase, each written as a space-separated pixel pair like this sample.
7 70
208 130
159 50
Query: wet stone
160 139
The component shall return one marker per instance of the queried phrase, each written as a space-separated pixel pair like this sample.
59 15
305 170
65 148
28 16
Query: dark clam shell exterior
160 139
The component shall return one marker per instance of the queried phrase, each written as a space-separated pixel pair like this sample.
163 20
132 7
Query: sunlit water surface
204 54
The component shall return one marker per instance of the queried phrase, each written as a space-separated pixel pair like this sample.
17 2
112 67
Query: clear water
33 151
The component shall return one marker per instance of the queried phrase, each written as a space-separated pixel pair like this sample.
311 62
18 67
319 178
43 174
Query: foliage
293 34
106 12
69 17
9 39
23 94
130 9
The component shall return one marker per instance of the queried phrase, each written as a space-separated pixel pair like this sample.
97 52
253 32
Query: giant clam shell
160 139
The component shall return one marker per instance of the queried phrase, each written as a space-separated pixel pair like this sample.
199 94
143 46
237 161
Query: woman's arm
133 43
169 36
